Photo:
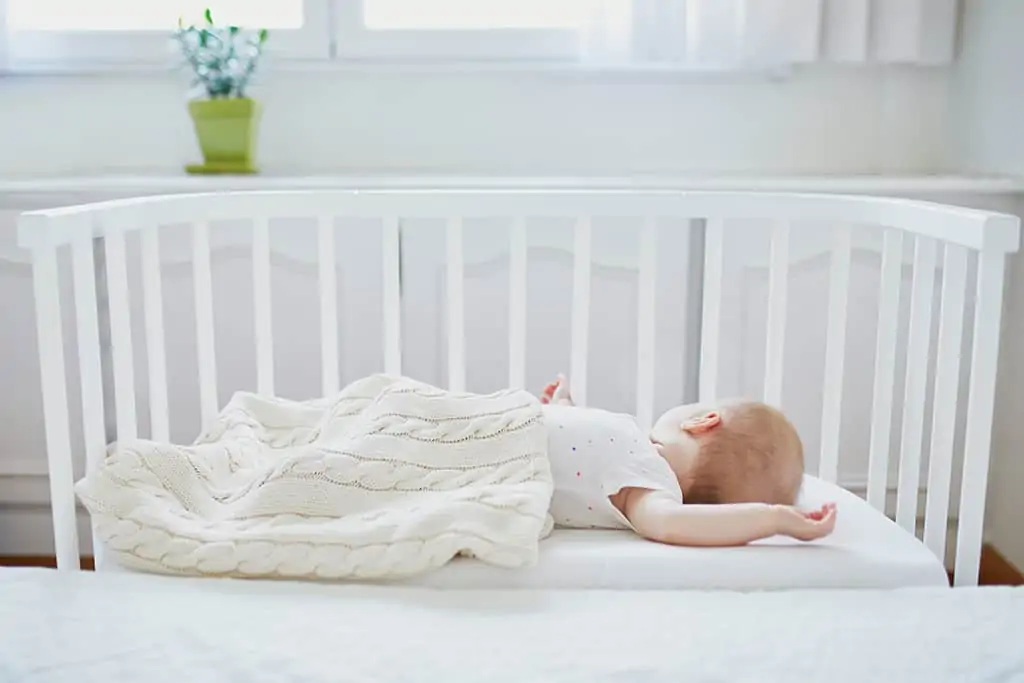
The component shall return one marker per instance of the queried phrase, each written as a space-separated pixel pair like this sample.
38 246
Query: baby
738 467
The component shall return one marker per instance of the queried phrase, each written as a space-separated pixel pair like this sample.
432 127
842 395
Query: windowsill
424 67
147 183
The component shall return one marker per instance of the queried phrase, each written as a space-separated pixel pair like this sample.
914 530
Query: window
43 33
133 15
473 14
645 33
677 34
460 29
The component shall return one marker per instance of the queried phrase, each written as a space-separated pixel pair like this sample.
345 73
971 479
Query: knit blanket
388 479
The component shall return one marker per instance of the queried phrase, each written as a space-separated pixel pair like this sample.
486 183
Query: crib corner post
988 311
50 341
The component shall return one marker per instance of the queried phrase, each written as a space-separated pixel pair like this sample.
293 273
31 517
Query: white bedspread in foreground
389 479
80 626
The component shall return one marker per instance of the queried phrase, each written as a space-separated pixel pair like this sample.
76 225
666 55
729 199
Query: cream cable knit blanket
388 479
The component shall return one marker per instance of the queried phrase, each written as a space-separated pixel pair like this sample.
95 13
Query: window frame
355 42
335 37
58 50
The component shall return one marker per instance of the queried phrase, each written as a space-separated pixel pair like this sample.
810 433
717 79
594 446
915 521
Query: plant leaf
222 58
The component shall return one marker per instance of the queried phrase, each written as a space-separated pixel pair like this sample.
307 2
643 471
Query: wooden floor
996 570
40 561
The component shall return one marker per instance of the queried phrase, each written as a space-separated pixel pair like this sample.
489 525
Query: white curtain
699 32
758 33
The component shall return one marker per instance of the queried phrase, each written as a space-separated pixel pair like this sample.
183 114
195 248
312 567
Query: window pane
141 15
473 14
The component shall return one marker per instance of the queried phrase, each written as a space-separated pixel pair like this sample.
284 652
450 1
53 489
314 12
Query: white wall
988 93
988 88
866 120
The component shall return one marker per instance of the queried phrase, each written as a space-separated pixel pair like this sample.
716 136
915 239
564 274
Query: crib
958 260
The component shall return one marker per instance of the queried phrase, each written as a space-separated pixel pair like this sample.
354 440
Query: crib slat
90 368
778 281
517 306
646 292
152 292
835 352
262 307
392 268
918 343
693 284
203 290
456 307
711 308
55 407
580 310
885 367
988 312
328 306
121 337
947 385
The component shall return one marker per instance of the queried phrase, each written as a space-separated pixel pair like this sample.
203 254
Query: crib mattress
69 627
867 550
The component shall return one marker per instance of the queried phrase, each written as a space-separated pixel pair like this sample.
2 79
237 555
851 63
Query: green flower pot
226 129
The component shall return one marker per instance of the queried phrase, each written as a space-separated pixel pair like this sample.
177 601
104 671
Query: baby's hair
753 456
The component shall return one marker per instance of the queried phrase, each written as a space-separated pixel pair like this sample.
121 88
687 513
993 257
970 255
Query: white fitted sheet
73 627
867 550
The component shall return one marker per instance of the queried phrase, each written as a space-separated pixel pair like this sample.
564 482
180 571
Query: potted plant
223 60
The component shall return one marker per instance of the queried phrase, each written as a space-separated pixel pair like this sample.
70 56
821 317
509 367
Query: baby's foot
557 392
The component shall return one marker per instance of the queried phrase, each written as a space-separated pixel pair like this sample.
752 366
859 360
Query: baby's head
735 452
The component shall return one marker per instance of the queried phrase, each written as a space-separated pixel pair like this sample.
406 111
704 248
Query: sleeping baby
737 466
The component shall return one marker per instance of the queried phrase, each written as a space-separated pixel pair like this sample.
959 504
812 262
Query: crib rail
959 232
972 228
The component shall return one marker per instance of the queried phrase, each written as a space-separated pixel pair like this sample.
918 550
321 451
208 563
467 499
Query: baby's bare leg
557 392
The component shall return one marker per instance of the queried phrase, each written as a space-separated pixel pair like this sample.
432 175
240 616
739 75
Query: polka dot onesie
594 454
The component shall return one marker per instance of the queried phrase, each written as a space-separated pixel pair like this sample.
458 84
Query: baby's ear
701 424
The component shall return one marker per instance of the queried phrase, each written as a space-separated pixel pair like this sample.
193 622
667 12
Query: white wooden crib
967 247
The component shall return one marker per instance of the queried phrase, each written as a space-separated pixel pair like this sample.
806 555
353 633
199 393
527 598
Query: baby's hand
806 525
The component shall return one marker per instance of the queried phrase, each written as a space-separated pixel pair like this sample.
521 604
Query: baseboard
996 570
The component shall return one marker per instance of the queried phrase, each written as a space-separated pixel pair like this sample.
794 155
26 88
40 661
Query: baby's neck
682 477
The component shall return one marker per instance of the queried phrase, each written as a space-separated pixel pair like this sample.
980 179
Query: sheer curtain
700 32
757 33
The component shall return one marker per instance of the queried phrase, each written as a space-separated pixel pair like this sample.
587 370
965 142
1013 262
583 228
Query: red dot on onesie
577 474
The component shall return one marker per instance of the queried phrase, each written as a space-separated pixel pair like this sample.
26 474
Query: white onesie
594 454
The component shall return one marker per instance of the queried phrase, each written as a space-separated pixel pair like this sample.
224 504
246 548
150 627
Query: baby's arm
658 517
